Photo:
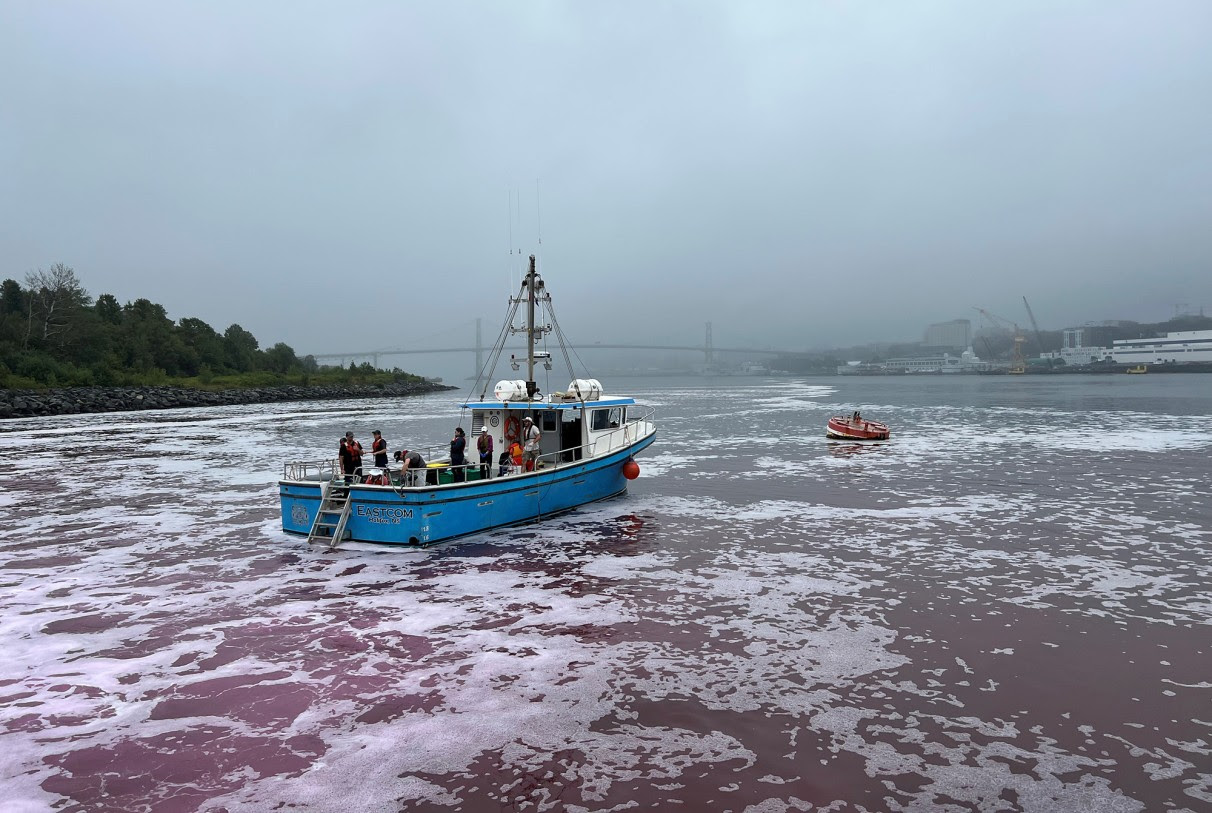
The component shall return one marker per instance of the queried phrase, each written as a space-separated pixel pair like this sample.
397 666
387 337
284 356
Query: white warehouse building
1178 347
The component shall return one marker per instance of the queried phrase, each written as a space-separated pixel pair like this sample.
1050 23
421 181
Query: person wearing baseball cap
412 462
530 443
484 447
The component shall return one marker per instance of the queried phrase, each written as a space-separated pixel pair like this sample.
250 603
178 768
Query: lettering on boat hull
379 515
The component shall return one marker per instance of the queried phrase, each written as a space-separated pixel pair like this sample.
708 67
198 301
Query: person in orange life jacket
515 453
458 458
484 446
379 447
530 443
351 457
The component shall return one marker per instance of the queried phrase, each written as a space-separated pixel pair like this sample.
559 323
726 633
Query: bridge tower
710 353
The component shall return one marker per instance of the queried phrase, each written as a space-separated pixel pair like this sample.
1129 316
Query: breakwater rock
74 400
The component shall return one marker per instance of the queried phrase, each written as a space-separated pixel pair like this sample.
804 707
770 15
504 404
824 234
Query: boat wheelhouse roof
524 406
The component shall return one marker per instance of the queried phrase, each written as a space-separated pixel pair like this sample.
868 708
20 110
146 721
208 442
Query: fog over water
350 178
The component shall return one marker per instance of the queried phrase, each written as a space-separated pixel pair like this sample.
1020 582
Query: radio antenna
509 262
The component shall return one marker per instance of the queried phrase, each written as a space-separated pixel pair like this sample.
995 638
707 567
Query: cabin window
604 419
549 420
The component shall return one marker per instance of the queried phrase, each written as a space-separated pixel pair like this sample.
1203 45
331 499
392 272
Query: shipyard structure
1176 347
1173 348
1091 348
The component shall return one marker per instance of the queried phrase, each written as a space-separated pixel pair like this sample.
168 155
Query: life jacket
515 453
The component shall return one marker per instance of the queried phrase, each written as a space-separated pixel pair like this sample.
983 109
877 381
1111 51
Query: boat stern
299 502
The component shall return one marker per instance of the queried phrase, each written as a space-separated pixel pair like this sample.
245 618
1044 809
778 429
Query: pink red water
1014 619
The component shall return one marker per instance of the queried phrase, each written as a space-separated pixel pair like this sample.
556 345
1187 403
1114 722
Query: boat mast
531 386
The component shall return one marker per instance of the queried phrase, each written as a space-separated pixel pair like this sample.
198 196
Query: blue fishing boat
564 450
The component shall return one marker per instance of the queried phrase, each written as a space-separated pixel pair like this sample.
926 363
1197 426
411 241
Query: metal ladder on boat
330 520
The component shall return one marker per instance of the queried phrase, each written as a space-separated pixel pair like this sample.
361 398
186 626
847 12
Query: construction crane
988 348
1017 365
1039 338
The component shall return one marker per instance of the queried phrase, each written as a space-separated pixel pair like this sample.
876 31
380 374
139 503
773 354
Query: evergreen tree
241 347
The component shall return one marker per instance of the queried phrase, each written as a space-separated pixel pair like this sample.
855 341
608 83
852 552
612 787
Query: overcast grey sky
802 174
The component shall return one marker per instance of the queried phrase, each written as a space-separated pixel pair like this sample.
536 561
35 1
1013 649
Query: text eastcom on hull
556 452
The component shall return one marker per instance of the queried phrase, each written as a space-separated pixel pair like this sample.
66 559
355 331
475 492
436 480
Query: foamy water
1005 607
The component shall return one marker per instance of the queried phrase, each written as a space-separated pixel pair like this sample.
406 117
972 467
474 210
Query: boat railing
622 437
632 430
310 470
331 469
635 428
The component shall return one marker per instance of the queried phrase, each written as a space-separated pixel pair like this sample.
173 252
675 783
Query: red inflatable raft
855 427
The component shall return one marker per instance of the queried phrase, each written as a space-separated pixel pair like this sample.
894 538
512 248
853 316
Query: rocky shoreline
75 400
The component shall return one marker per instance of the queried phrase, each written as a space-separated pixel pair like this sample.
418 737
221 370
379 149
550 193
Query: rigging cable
547 361
555 324
490 364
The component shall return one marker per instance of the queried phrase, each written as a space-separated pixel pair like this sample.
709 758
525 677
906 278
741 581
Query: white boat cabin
571 427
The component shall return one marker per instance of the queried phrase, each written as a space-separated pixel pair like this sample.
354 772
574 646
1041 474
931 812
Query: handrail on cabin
631 430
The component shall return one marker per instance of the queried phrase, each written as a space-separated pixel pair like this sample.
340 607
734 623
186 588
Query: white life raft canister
587 389
510 390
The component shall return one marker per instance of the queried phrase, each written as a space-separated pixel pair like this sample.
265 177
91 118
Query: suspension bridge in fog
708 349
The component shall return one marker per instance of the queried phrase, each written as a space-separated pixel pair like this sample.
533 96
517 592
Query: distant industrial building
1083 345
956 334
1097 335
1178 347
966 362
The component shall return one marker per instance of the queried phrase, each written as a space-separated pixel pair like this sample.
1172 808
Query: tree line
53 334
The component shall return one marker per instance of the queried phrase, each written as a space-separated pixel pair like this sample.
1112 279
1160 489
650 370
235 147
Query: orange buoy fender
631 469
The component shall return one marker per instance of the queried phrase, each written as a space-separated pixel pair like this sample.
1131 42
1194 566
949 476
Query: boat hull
846 429
427 515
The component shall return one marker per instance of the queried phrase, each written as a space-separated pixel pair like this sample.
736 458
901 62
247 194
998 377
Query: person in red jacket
351 457
379 447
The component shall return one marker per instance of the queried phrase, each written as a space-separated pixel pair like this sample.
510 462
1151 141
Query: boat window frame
608 423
